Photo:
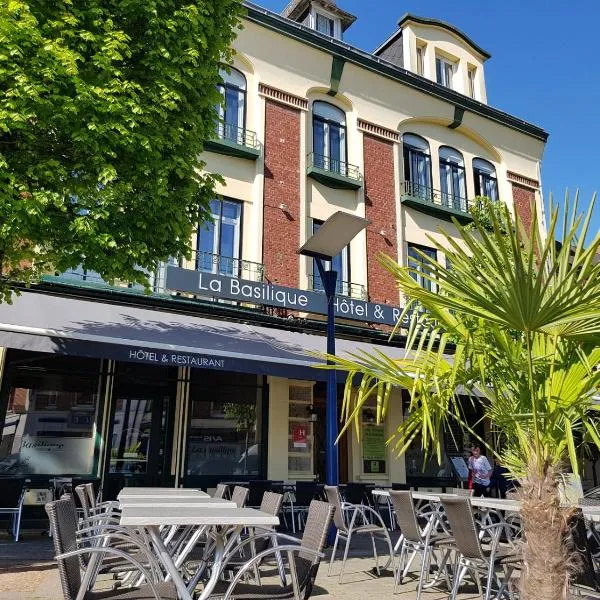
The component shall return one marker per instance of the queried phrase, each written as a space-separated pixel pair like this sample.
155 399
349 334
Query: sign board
257 292
300 436
374 450
56 455
460 466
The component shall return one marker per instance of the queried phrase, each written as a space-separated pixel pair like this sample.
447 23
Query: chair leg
18 524
375 555
333 552
398 574
460 573
348 538
422 575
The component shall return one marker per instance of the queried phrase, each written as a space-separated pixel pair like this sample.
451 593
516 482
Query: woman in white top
481 471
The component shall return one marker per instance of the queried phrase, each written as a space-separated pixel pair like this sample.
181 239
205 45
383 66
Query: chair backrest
84 499
318 522
221 490
93 490
63 525
404 507
356 493
240 496
333 497
256 490
305 492
271 503
12 492
462 523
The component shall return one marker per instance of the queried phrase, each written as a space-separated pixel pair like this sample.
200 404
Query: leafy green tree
523 319
104 109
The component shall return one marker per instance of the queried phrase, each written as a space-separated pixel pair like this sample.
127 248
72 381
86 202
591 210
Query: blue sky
543 69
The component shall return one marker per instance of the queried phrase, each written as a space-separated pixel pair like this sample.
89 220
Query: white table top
147 516
158 492
176 501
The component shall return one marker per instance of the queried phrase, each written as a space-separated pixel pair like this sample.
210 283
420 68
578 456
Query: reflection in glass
224 434
132 427
50 421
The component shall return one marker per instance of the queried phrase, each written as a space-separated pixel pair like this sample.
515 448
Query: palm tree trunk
547 565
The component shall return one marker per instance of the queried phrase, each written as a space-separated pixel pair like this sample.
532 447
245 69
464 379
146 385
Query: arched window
486 183
417 166
452 178
329 137
232 111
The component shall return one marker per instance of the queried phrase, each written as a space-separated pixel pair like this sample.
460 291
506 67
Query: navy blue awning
50 323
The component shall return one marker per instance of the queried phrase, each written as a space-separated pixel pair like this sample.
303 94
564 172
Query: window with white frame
486 182
452 178
219 242
417 165
325 24
421 59
232 109
472 73
419 264
444 71
329 137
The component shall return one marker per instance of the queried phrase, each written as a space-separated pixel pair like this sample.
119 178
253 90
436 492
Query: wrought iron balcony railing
238 135
434 197
343 288
226 265
200 261
334 166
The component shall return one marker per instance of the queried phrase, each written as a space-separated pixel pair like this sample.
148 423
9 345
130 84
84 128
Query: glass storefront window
50 424
224 434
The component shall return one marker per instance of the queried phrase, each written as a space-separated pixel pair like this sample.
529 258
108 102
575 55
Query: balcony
343 288
436 203
234 141
333 173
200 261
231 267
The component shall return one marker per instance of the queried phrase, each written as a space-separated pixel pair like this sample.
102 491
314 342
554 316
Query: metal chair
222 491
416 540
472 556
304 557
11 502
240 496
358 524
63 524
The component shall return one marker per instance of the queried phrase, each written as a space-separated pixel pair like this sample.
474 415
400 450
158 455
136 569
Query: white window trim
337 23
447 63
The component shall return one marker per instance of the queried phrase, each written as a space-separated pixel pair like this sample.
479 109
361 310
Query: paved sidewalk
28 572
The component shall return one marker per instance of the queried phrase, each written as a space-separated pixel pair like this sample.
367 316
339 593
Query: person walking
481 471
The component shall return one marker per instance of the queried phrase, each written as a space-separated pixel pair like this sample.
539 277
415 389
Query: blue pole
329 279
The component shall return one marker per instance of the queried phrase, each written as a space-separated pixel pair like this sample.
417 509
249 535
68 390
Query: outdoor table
175 501
226 524
158 492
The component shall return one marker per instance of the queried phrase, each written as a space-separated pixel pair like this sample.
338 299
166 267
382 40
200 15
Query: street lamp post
333 236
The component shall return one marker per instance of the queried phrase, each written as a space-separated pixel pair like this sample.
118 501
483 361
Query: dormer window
444 71
325 25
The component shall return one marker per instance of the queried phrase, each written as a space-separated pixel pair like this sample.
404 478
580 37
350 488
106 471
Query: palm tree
513 324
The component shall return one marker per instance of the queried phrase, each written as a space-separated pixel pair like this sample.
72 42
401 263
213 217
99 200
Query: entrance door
140 444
